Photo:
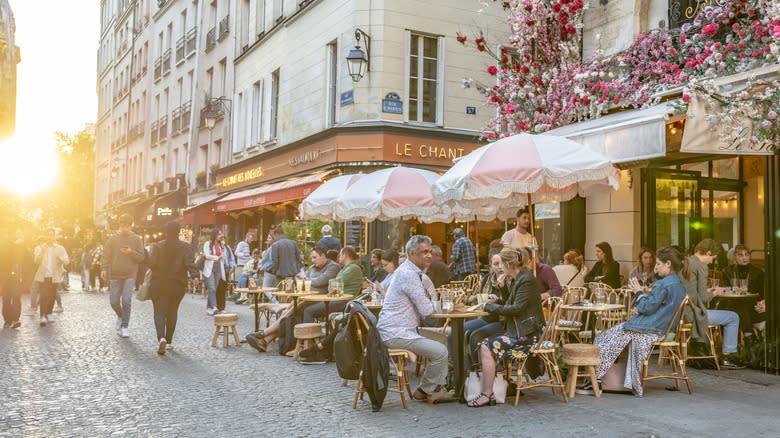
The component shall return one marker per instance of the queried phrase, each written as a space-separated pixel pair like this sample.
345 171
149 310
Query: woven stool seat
308 331
581 354
225 318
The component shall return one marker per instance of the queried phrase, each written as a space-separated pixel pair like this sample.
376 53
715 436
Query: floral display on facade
542 83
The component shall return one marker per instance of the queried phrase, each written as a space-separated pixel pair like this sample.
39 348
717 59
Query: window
175 161
256 113
154 170
244 30
278 10
274 103
222 76
238 136
210 82
425 83
260 16
332 98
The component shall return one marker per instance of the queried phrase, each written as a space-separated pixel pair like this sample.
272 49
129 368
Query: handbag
200 262
473 386
144 292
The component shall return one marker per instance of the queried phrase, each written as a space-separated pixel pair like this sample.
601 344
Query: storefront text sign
303 158
163 211
242 177
428 151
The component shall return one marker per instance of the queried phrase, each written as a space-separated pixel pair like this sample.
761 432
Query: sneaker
258 344
124 332
50 318
217 311
44 321
419 395
58 309
210 311
169 347
241 300
16 324
309 352
118 324
728 364
317 358
439 395
162 346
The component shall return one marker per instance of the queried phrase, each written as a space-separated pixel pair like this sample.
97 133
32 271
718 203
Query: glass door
672 208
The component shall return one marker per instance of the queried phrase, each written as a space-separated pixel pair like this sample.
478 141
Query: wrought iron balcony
224 27
166 62
211 39
180 43
192 39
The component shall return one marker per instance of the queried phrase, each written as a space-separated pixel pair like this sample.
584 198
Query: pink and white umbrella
494 180
395 192
321 202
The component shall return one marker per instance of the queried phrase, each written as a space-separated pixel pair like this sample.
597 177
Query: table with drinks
457 320
256 293
335 294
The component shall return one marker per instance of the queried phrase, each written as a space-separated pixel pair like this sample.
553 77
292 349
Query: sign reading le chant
428 151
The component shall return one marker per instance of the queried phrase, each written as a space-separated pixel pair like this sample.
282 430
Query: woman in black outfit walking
170 262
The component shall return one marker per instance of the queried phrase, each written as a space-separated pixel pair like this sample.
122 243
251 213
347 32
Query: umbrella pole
476 241
532 215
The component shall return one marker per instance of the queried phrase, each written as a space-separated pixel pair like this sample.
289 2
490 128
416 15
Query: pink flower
686 97
556 7
771 115
510 108
710 29
735 26
492 70
682 38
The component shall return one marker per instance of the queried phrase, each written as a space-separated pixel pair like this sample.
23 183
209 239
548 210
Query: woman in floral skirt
656 308
522 318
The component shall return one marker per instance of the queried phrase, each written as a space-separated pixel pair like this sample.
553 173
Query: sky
56 88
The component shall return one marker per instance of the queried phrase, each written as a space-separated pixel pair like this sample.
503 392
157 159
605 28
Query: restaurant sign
242 177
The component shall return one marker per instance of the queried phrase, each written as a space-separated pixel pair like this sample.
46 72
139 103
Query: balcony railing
162 126
176 121
166 62
153 129
185 116
192 40
224 27
157 69
180 43
211 39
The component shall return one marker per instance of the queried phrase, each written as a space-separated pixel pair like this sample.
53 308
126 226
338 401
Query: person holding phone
51 259
122 254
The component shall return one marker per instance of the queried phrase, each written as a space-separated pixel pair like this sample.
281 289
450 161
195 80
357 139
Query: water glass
307 285
714 282
436 306
742 284
600 296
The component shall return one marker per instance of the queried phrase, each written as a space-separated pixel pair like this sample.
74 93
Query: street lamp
359 62
215 108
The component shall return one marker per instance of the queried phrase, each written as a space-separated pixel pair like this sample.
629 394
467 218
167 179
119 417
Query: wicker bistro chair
472 284
546 350
673 350
713 334
570 324
607 320
398 358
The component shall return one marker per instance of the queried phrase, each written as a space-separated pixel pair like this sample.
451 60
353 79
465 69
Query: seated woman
495 287
656 308
572 271
389 264
606 270
746 308
251 269
644 271
522 316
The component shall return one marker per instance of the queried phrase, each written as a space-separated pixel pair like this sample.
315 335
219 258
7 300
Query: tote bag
144 293
474 386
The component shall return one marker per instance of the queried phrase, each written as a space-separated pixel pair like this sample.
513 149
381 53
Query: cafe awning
727 133
623 137
272 193
202 213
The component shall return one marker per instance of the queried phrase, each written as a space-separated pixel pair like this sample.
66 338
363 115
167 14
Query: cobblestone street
78 378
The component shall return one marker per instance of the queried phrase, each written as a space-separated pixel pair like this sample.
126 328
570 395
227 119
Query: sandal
474 402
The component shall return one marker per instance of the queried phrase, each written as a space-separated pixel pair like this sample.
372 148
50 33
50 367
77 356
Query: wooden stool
307 335
225 324
581 355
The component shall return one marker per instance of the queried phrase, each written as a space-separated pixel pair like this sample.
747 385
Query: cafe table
732 295
256 293
591 308
294 295
459 366
327 299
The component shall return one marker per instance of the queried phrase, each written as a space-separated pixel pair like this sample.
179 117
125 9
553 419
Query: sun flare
29 165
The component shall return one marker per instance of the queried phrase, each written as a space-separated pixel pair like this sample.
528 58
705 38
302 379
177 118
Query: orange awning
272 193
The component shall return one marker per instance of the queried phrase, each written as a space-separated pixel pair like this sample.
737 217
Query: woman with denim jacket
656 308
522 318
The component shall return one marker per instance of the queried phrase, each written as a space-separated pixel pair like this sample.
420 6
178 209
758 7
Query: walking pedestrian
12 278
171 261
214 273
464 256
121 256
51 259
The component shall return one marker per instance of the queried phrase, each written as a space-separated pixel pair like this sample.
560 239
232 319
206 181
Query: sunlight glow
29 166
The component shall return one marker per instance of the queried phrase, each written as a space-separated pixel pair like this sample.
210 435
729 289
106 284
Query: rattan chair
546 350
673 350
570 324
398 358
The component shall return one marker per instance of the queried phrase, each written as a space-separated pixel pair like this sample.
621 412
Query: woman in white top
520 236
572 271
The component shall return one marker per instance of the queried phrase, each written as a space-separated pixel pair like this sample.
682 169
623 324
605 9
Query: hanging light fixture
358 62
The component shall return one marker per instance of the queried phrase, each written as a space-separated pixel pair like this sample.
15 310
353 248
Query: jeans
47 291
436 352
476 331
12 302
269 280
243 280
216 288
730 323
166 312
121 297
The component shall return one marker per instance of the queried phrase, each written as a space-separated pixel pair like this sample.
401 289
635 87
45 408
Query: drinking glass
339 286
742 284
714 282
307 285
600 296
332 287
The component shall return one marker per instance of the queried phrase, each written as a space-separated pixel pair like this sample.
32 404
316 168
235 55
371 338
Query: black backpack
346 350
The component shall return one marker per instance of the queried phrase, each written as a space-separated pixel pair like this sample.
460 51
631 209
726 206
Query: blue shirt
655 311
265 263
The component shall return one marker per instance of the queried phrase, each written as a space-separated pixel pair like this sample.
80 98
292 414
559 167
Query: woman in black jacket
606 270
522 317
170 262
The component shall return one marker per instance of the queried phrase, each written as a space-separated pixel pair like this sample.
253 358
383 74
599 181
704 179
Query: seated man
321 271
438 271
352 275
378 273
251 269
408 301
743 269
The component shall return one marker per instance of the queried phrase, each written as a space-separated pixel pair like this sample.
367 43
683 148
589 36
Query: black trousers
47 291
12 302
166 312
